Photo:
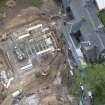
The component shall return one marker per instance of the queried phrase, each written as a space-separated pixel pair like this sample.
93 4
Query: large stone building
84 27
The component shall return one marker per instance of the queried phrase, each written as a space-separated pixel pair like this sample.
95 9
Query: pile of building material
4 80
32 99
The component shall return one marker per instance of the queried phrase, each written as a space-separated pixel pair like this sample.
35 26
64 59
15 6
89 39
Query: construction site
31 57
30 66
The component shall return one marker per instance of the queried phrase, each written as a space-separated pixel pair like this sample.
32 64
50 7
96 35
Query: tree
93 77
95 80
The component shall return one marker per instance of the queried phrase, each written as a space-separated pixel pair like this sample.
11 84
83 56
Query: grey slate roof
66 29
89 27
89 51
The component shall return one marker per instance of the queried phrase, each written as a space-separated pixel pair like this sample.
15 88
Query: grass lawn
101 16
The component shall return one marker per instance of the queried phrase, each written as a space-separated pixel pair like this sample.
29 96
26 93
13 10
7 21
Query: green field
101 16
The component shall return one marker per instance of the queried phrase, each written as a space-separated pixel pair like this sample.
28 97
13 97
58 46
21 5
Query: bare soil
24 12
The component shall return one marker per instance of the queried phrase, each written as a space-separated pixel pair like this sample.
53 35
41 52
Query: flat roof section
100 4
